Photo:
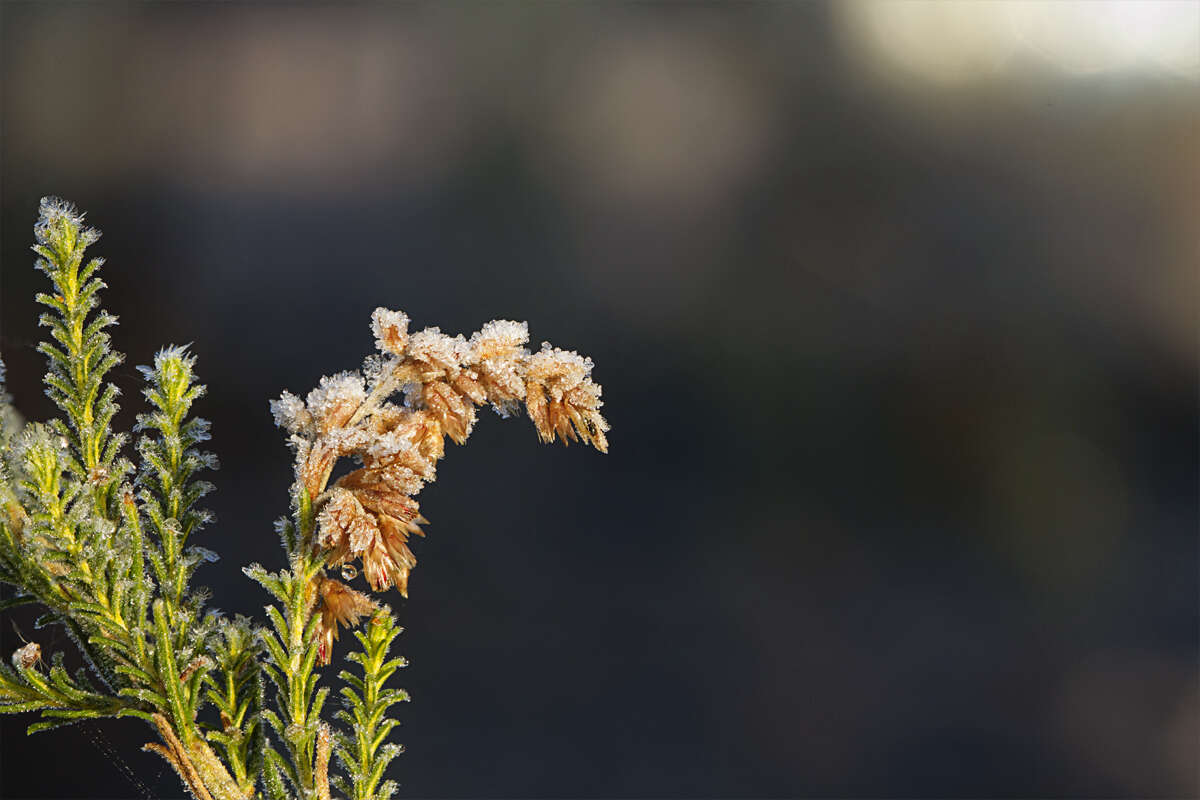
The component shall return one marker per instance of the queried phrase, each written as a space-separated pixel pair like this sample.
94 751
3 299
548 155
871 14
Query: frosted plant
104 545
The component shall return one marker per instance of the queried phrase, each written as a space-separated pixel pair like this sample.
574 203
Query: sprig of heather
368 514
112 561
364 752
170 459
235 688
81 355
73 536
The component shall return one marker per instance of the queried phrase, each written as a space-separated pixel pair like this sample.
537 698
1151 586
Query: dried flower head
368 514
563 400
339 605
290 413
390 329
333 402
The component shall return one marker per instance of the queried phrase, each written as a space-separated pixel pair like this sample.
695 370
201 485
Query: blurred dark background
894 306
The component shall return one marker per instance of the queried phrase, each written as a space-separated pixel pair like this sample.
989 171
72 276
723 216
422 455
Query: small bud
25 657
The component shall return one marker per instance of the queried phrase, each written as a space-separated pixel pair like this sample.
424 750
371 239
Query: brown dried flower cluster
368 514
340 605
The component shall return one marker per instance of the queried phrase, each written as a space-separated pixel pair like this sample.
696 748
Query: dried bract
339 605
563 400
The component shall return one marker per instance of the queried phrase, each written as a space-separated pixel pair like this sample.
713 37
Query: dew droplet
349 573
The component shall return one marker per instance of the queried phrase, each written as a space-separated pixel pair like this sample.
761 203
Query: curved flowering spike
368 514
81 355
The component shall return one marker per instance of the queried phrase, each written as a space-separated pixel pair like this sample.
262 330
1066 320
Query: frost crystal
390 329
334 401
497 338
290 413
437 349
559 370
376 367
390 443
335 390
55 214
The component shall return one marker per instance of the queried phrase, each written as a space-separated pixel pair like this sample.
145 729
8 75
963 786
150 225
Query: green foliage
235 688
169 461
76 539
111 561
81 354
292 648
10 425
61 698
364 752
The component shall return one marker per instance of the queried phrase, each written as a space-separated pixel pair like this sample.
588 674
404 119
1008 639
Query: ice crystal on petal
557 369
376 367
290 413
345 441
437 350
390 329
389 444
500 337
335 400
